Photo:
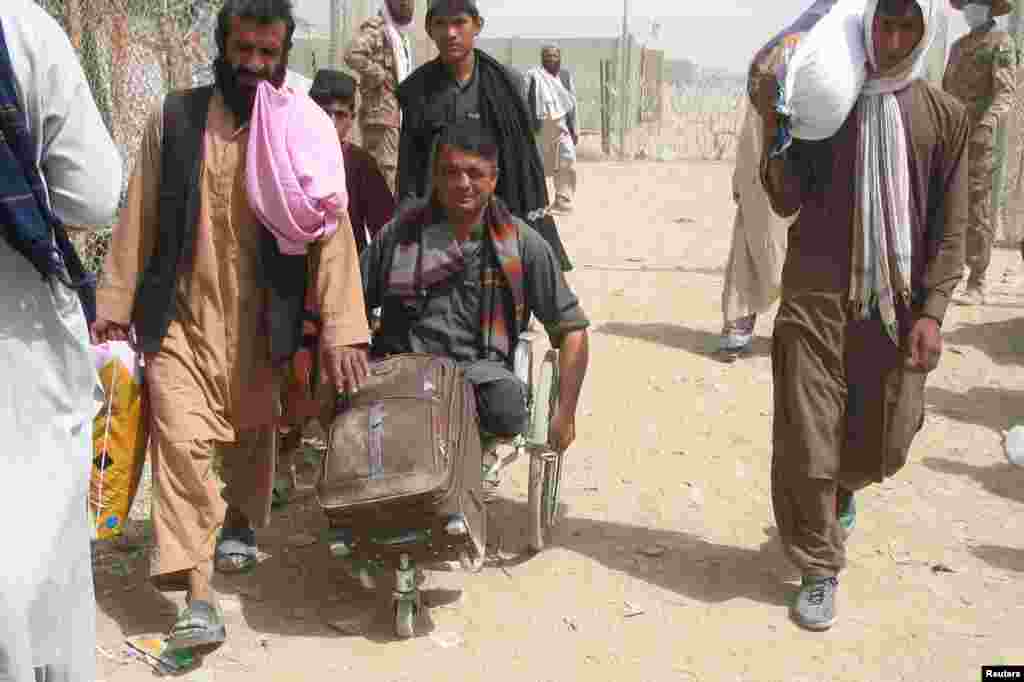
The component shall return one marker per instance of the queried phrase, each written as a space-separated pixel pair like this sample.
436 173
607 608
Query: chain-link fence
700 120
1010 202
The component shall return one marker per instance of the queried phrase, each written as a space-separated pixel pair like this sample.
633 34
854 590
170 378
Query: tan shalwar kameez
212 388
846 410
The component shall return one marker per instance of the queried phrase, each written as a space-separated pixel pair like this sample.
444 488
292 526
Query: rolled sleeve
547 292
945 267
339 289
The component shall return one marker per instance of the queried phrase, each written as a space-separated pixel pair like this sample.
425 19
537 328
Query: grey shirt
449 322
462 100
457 101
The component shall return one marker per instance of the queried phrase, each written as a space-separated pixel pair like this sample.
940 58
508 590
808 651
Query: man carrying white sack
237 204
57 163
872 260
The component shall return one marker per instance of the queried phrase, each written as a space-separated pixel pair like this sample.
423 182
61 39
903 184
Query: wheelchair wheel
537 530
405 618
541 463
545 397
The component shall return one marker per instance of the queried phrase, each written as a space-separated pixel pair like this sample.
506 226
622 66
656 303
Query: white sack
826 73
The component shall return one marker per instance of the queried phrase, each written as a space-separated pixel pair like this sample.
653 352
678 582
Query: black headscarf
503 111
450 8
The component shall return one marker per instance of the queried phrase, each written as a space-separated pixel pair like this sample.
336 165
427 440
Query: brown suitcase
404 454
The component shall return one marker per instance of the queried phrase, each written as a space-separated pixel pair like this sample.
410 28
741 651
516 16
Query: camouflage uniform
981 74
371 57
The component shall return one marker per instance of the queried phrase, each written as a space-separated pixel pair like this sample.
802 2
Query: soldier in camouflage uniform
382 58
981 74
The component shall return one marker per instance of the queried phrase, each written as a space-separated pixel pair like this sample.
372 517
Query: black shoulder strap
181 163
181 154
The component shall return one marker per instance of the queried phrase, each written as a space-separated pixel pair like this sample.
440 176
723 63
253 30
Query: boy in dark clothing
464 83
370 202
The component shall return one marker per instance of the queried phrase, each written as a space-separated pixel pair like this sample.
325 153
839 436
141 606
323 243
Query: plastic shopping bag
119 438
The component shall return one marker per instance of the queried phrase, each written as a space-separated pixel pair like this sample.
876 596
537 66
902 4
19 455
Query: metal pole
623 79
999 178
606 141
334 47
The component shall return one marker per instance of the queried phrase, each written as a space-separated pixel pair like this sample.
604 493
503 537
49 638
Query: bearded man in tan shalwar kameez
190 270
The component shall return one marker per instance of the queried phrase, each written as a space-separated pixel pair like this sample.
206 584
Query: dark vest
156 300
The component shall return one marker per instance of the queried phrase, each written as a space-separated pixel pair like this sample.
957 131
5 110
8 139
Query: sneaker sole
814 627
731 355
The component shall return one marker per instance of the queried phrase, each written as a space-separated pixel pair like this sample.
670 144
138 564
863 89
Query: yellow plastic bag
119 438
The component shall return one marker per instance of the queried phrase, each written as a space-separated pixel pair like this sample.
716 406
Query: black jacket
502 108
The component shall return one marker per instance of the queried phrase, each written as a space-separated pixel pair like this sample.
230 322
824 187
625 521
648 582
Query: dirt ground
666 567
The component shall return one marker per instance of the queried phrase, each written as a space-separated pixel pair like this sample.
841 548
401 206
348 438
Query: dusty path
672 461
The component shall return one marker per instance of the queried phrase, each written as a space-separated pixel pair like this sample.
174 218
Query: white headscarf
882 208
976 14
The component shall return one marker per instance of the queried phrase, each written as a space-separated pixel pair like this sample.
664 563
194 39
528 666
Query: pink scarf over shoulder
295 173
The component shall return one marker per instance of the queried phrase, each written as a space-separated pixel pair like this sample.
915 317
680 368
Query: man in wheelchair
457 275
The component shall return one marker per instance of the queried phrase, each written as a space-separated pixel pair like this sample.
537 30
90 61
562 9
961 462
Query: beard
238 97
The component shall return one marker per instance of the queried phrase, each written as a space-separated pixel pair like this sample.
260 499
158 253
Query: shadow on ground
1006 558
1002 341
697 341
301 591
598 267
121 580
687 564
995 408
1001 479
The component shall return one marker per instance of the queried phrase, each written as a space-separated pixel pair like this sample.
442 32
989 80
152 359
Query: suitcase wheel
405 618
471 561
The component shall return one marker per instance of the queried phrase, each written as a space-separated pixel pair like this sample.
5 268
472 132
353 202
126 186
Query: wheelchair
545 465
398 550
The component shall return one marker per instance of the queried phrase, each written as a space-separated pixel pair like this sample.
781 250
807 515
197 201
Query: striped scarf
29 225
882 247
415 269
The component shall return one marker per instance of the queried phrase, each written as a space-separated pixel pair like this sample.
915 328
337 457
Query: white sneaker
738 335
1014 446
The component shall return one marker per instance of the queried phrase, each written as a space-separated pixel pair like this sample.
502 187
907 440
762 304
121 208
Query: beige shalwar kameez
212 388
753 273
